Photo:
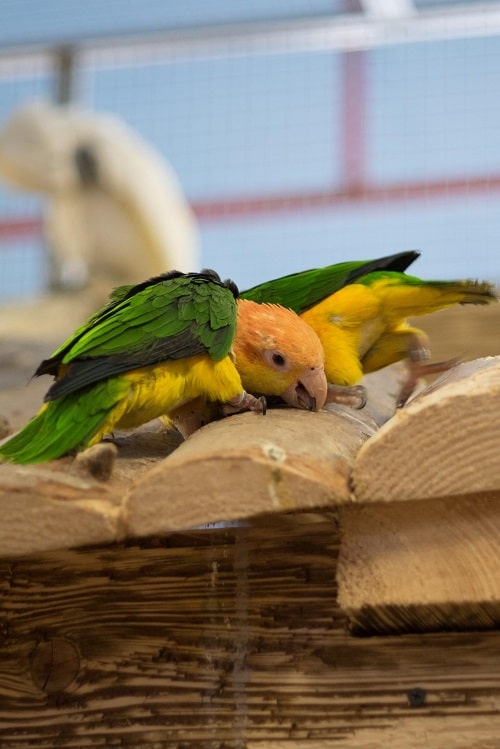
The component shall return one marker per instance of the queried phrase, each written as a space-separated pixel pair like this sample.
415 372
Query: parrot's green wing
300 291
117 295
168 317
65 424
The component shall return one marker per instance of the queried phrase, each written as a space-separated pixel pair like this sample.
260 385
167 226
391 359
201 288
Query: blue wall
271 124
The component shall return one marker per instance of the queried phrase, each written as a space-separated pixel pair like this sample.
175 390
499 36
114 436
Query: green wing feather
168 317
300 291
65 424
165 318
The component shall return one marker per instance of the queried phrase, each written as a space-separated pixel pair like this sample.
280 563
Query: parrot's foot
418 369
245 402
353 395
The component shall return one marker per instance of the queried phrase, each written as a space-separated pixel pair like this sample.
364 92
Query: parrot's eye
276 360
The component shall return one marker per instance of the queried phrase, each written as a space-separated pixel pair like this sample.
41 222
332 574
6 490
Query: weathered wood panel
421 566
224 638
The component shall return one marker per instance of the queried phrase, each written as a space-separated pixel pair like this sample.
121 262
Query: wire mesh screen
291 156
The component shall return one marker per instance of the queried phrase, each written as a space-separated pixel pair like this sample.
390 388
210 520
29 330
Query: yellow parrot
360 312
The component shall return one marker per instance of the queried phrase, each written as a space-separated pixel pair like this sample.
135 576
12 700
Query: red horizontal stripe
230 208
239 207
19 227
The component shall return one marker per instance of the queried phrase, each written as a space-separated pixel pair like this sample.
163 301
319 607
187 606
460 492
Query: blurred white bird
115 212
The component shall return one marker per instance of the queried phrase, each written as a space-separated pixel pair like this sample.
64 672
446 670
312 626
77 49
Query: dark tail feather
472 292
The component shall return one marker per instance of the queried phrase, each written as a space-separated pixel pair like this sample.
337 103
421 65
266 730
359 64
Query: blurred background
302 132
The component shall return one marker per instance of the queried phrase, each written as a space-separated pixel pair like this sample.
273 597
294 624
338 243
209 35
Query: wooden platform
226 638
351 598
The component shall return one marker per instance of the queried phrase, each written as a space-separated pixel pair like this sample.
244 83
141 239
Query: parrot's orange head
277 353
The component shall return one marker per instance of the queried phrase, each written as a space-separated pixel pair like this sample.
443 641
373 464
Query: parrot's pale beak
309 392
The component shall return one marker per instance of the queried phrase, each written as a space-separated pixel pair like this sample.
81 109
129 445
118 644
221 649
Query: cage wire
319 133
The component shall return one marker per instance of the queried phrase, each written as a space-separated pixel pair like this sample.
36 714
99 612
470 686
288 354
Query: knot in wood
274 452
416 697
98 460
54 664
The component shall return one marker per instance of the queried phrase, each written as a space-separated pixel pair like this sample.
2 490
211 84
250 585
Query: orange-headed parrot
152 348
276 354
359 311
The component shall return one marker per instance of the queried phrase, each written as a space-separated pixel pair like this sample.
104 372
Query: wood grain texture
443 443
452 732
225 638
420 547
62 505
248 464
42 508
427 565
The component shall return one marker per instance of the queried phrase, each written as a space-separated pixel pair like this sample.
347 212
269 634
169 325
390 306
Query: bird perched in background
276 354
359 311
115 210
152 348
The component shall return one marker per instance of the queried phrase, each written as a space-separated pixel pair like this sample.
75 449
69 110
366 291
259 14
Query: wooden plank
427 565
230 469
421 545
443 443
452 732
224 637
248 464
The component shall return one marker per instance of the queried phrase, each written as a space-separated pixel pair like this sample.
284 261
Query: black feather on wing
83 372
398 262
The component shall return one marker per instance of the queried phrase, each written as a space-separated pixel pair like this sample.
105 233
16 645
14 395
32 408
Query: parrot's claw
418 369
245 402
263 405
353 396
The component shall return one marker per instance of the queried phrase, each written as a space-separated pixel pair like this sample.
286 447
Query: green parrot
359 310
153 347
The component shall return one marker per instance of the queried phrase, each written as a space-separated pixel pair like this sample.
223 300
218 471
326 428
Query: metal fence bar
333 33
